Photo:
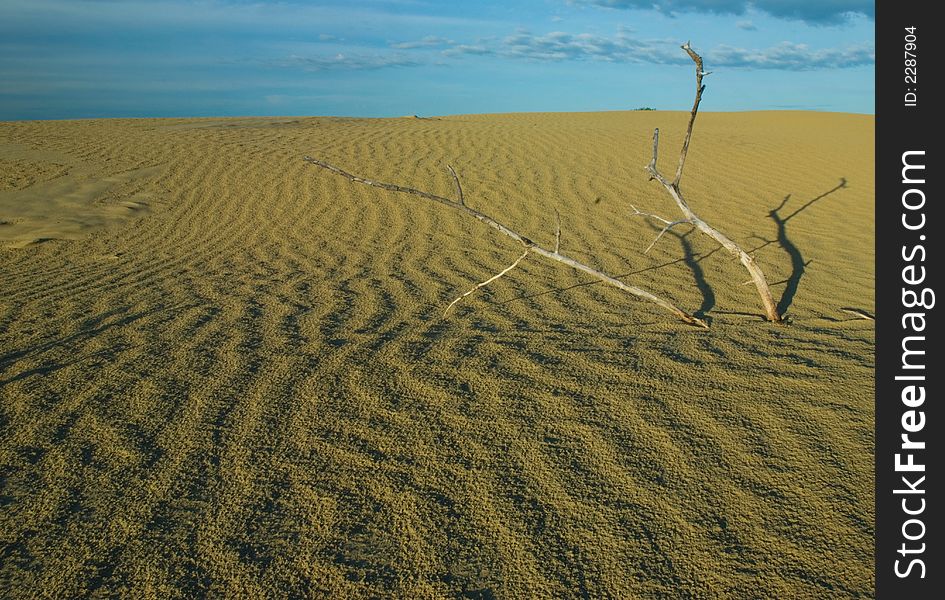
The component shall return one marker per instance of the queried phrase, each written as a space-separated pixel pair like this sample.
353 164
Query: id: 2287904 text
911 65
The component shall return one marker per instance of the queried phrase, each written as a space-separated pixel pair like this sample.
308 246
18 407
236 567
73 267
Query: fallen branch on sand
672 187
530 246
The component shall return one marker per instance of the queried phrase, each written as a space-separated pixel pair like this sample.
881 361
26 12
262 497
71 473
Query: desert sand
224 371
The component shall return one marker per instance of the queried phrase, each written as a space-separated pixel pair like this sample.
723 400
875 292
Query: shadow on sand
90 328
798 264
693 259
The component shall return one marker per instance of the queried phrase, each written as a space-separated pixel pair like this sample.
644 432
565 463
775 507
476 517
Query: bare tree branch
859 312
638 213
669 225
656 151
529 245
459 188
662 231
757 276
700 73
488 281
438 199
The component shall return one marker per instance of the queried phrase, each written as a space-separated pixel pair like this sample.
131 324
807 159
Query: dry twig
488 281
459 188
859 312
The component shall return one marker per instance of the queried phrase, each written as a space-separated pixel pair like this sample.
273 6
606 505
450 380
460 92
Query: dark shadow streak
759 316
92 327
55 366
708 294
798 265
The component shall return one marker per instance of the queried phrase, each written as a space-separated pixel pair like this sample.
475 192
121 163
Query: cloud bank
817 12
559 46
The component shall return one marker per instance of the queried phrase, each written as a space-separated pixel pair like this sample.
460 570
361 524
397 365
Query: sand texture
225 372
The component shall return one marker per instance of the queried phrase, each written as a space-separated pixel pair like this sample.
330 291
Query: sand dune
224 371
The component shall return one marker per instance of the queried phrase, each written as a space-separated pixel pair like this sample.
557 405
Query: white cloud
559 46
792 57
474 49
819 12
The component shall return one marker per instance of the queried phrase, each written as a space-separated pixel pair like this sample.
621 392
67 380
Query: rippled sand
224 371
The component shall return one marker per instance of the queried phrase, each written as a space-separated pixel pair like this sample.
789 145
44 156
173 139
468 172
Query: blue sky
140 58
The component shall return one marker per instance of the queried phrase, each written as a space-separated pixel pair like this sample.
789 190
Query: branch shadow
698 274
798 264
89 329
693 259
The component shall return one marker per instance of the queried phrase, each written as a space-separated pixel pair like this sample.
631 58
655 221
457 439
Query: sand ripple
247 389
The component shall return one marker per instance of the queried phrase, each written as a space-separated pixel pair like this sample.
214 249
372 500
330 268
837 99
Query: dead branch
700 73
859 312
530 246
669 225
757 276
488 281
459 188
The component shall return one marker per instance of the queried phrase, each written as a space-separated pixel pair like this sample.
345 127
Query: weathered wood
859 312
669 225
530 246
757 276
488 281
459 188
700 73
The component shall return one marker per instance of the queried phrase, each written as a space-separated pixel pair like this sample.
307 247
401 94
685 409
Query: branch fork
689 217
530 246
671 186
